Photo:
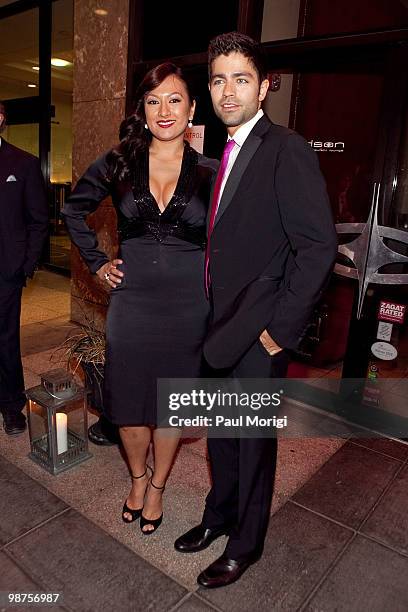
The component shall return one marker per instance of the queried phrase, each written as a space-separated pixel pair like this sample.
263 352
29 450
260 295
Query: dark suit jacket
273 245
23 213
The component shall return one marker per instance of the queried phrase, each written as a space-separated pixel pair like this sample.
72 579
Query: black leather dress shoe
14 424
103 433
223 571
198 538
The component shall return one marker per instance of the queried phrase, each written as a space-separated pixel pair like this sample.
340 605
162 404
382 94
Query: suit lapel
4 161
245 155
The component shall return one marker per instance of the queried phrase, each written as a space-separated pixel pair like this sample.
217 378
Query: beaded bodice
161 224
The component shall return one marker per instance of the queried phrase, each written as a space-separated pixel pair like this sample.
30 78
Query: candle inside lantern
62 432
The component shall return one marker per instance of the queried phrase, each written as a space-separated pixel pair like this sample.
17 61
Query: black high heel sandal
155 523
137 513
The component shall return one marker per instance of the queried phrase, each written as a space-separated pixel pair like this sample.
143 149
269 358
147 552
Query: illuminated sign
327 146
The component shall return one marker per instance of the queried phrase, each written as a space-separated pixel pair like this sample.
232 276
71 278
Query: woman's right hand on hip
110 274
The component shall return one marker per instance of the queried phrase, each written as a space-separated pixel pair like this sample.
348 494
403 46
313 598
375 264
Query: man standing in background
271 248
23 229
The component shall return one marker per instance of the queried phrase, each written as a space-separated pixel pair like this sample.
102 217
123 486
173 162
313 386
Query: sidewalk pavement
337 540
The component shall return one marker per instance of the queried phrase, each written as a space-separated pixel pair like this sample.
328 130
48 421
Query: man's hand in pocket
269 344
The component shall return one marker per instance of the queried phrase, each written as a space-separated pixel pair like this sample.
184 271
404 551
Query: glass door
350 108
36 84
19 79
59 254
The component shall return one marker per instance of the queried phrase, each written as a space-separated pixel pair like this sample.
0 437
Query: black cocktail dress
158 315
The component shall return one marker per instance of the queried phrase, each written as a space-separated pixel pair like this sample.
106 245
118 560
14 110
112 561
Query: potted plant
86 349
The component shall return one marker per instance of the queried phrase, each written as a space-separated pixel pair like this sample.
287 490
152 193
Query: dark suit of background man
23 228
272 246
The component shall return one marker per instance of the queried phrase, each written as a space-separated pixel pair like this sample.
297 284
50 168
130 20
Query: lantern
58 422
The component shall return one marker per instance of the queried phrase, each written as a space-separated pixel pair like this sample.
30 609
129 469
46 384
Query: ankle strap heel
154 523
155 487
144 473
134 513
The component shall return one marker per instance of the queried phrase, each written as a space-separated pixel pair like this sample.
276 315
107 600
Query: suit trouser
243 470
12 398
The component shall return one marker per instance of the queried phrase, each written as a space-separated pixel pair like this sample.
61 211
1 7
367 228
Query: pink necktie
214 207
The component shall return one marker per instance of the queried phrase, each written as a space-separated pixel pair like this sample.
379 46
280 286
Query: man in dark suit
271 248
23 228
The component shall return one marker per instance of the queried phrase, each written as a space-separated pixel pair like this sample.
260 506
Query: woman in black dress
158 310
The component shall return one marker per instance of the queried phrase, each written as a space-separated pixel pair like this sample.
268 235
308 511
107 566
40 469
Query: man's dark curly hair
224 44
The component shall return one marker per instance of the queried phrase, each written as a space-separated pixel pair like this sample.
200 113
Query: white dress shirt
239 137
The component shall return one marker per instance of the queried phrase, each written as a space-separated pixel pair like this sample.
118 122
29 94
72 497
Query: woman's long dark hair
132 134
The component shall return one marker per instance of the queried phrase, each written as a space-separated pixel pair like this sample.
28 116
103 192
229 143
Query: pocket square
11 179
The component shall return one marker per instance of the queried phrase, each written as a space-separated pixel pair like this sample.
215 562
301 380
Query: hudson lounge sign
327 146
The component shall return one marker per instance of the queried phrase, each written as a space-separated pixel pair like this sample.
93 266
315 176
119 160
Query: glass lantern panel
76 417
39 434
70 427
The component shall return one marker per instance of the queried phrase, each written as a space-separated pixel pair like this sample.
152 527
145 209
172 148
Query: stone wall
100 60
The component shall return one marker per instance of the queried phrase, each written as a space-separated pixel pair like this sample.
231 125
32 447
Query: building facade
338 76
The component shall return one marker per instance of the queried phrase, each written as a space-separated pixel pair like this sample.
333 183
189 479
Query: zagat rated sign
390 311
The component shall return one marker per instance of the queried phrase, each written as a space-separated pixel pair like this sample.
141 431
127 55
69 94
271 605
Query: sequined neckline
184 183
150 220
